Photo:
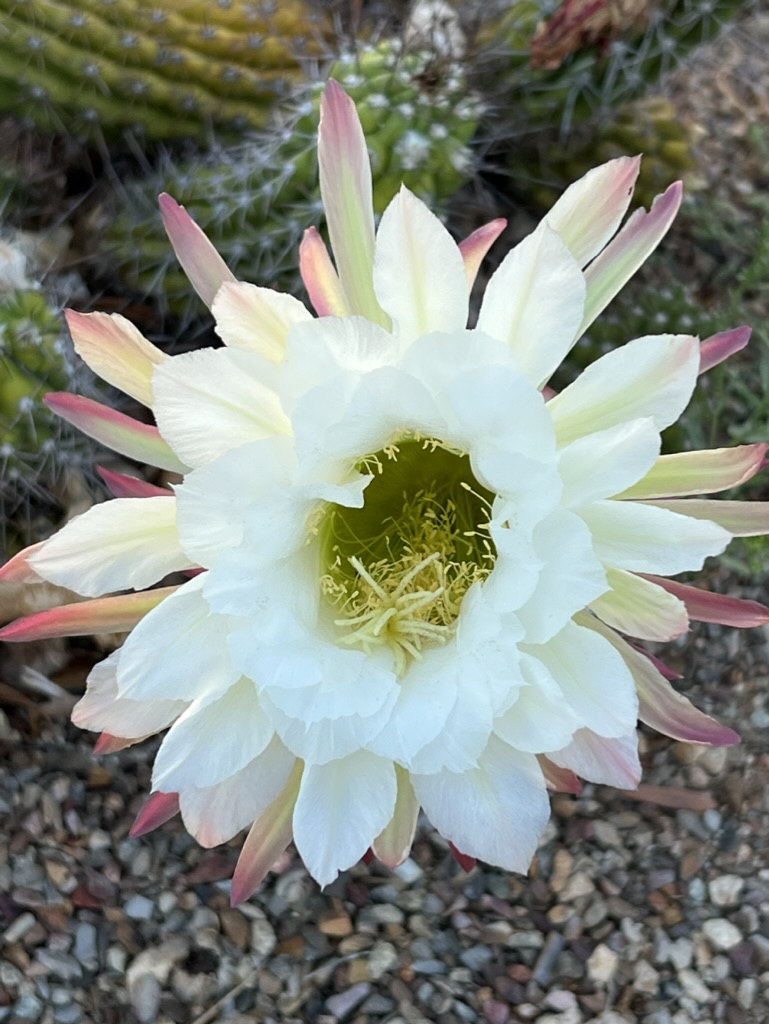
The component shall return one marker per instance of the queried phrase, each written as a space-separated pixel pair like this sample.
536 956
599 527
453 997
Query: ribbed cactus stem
167 67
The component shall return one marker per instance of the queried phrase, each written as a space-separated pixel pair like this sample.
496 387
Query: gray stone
342 1004
721 934
602 965
85 944
726 890
139 908
144 993
694 986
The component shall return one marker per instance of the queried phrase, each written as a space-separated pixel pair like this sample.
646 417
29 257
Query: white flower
416 559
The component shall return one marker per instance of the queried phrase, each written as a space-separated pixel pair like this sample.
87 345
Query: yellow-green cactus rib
37 450
650 126
255 200
170 68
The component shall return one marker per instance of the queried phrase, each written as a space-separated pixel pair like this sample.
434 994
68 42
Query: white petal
218 500
539 720
571 576
323 349
611 762
640 608
651 376
642 538
256 319
210 400
602 464
178 651
325 702
589 212
342 807
593 678
213 740
116 545
214 814
419 273
102 710
495 812
535 302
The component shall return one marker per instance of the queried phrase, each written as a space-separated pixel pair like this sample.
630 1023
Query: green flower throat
396 570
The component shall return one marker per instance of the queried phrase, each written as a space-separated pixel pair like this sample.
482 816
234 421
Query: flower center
398 568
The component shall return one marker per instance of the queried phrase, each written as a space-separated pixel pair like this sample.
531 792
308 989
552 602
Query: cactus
37 450
650 126
169 68
254 201
594 80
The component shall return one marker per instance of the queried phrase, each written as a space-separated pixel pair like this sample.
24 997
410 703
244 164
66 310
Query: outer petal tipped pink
201 262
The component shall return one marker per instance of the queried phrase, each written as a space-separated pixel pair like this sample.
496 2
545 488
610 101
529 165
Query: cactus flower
416 575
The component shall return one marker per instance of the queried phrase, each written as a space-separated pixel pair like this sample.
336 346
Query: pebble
694 986
645 978
342 1004
721 933
139 908
601 965
726 890
144 992
747 990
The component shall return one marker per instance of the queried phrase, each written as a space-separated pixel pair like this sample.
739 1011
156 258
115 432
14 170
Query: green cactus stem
167 68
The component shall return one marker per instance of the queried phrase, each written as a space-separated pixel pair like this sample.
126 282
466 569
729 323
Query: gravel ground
651 906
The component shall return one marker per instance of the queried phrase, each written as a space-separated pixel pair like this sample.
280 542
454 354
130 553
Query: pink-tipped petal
561 780
123 486
740 518
718 347
159 808
269 836
643 232
257 319
704 472
392 846
109 744
116 351
659 705
465 862
705 606
18 569
200 261
589 212
319 276
477 244
346 191
103 615
117 431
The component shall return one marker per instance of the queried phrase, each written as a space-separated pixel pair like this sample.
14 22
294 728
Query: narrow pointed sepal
392 846
121 485
200 261
104 615
705 606
466 863
114 429
159 808
637 240
700 472
269 836
319 276
721 346
477 244
740 518
347 194
560 780
109 744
